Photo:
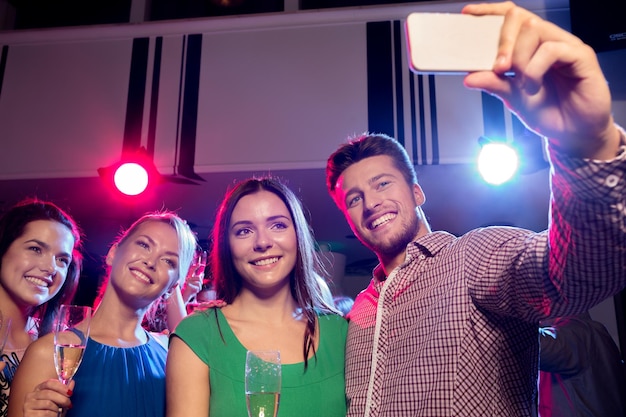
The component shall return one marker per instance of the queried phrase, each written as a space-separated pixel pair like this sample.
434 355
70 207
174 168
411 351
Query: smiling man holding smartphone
448 325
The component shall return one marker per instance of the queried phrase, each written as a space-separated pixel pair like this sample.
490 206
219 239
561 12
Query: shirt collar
429 245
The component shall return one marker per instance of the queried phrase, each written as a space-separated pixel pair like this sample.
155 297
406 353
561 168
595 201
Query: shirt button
422 257
611 180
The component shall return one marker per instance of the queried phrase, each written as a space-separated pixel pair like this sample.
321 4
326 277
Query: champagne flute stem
60 411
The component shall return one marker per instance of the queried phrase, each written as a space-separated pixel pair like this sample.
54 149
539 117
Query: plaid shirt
453 331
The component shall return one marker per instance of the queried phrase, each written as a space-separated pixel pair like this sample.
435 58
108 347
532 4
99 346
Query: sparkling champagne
67 358
262 404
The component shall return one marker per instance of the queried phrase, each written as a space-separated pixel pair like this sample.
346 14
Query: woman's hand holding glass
195 277
49 397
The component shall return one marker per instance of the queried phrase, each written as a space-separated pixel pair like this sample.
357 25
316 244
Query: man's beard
395 244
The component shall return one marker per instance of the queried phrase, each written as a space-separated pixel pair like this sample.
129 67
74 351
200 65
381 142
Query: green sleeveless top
318 391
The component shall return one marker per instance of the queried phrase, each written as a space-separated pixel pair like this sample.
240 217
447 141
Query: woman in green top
264 265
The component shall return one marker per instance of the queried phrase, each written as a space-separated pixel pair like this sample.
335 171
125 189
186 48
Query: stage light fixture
132 176
531 149
497 161
500 160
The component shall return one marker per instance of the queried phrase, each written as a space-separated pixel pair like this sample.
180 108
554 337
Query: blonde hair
187 242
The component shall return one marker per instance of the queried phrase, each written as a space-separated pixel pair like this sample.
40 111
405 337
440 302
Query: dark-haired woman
39 268
265 268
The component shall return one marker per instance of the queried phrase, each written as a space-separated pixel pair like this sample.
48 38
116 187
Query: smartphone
452 42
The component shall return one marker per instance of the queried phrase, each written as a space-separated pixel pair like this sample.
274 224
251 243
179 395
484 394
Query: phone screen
452 42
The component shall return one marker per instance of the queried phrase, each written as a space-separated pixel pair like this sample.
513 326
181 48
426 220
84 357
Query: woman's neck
23 327
279 307
115 324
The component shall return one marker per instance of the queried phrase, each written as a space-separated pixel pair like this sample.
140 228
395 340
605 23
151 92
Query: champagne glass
199 262
195 278
71 332
201 258
263 377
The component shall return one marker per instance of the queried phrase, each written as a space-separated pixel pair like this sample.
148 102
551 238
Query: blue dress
120 382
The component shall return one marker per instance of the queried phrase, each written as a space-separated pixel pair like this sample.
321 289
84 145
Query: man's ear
418 193
111 255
